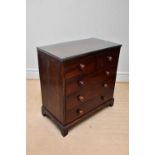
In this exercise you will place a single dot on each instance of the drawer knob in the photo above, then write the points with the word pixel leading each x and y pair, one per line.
pixel 81 83
pixel 110 58
pixel 79 111
pixel 107 73
pixel 81 98
pixel 82 67
pixel 105 85
pixel 102 97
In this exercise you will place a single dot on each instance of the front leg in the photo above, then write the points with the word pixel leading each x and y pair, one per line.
pixel 64 132
pixel 43 111
pixel 111 103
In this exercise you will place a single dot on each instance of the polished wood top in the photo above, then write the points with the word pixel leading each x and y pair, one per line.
pixel 74 48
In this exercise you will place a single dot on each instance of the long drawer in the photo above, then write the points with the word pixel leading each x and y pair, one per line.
pixel 83 82
pixel 83 109
pixel 102 91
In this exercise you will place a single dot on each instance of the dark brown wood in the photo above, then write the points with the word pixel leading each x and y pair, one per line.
pixel 77 84
pixel 46 112
pixel 79 66
pixel 100 76
pixel 72 49
pixel 89 93
pixel 52 85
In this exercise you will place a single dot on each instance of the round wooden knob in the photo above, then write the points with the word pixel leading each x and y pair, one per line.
pixel 102 97
pixel 110 58
pixel 108 73
pixel 82 67
pixel 81 98
pixel 81 83
pixel 79 111
pixel 105 85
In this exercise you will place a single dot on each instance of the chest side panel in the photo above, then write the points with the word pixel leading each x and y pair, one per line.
pixel 52 85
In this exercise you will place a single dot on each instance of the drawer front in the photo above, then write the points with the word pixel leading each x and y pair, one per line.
pixel 83 82
pixel 78 106
pixel 79 66
pixel 108 59
pixel 82 109
pixel 103 91
pixel 89 88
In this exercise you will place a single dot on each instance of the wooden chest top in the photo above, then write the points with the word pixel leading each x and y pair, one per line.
pixel 74 48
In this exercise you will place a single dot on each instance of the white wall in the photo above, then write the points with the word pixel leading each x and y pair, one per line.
pixel 53 21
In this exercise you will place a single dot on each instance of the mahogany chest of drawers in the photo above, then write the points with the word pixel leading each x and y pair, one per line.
pixel 77 79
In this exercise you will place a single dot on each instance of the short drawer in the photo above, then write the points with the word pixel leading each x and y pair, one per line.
pixel 79 66
pixel 108 59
